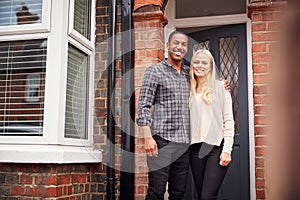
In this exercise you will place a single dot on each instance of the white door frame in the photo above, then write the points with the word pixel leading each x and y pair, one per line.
pixel 174 23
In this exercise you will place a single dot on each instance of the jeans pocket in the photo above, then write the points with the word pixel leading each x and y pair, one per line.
pixel 161 142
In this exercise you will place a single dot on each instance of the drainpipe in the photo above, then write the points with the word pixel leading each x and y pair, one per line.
pixel 128 103
pixel 110 171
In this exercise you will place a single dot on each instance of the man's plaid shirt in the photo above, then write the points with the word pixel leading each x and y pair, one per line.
pixel 168 91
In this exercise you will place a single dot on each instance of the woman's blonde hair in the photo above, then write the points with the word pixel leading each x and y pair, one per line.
pixel 211 79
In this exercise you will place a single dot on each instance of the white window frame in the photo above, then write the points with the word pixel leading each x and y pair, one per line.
pixel 52 147
pixel 91 57
pixel 44 26
pixel 29 86
pixel 75 34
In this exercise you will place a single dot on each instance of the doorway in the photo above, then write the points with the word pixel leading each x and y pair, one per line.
pixel 228 46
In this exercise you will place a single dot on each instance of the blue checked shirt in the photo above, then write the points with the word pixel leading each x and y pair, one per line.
pixel 168 92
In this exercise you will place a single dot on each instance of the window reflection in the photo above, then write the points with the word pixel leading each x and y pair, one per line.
pixel 16 12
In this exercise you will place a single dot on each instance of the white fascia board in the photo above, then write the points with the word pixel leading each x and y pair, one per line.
pixel 210 21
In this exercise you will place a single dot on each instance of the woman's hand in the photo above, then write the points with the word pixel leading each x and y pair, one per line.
pixel 225 159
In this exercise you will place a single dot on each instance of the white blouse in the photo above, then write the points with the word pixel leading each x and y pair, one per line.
pixel 211 123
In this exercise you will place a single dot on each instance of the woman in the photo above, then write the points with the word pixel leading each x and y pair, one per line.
pixel 212 126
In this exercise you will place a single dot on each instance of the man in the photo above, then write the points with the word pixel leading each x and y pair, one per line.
pixel 166 87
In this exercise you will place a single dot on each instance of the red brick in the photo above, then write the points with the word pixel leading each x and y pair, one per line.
pixel 41 191
pixel 140 190
pixel 261 57
pixel 153 54
pixel 260 79
pixel 142 178
pixel 259 47
pixel 261 130
pixel 260 109
pixel 26 179
pixel 256 17
pixel 59 191
pixel 259 162
pixel 79 178
pixel 46 180
pixel 155 44
pixel 63 179
pixel 261 99
pixel 139 197
pixel 142 169
pixel 259 26
pixel 18 190
pixel 260 183
pixel 266 16
pixel 260 194
pixel 260 151
pixel 260 68
pixel 263 36
pixel 261 120
pixel 261 141
pixel 260 89
pixel 259 172
pixel 70 190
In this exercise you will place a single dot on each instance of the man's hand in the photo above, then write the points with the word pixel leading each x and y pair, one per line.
pixel 150 144
pixel 226 85
pixel 151 147
pixel 225 159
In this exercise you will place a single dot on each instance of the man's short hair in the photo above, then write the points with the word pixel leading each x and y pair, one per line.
pixel 174 33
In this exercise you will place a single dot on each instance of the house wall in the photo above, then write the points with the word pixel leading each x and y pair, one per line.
pixel 80 181
pixel 265 17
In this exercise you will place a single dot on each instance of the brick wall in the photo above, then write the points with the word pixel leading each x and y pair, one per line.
pixel 265 16
pixel 50 181
pixel 149 49
pixel 73 181
pixel 101 77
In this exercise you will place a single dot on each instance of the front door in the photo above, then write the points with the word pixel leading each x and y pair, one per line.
pixel 228 46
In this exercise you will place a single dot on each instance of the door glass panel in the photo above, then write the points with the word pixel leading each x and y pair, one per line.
pixel 229 71
pixel 201 45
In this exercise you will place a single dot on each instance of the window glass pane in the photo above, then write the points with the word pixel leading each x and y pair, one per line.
pixel 82 17
pixel 77 91
pixel 18 12
pixel 22 69
pixel 196 8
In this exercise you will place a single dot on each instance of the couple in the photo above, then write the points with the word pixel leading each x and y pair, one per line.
pixel 191 124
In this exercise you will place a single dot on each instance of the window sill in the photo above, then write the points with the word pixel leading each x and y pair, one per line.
pixel 48 154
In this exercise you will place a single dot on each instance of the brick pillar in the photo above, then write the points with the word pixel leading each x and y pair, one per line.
pixel 149 21
pixel 265 17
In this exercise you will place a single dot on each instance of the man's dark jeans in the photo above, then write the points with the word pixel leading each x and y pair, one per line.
pixel 171 165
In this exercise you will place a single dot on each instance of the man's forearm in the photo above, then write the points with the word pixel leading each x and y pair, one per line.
pixel 146 131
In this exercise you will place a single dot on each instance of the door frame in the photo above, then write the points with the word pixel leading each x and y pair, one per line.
pixel 174 23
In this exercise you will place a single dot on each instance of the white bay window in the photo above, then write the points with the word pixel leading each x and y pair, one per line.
pixel 46 81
